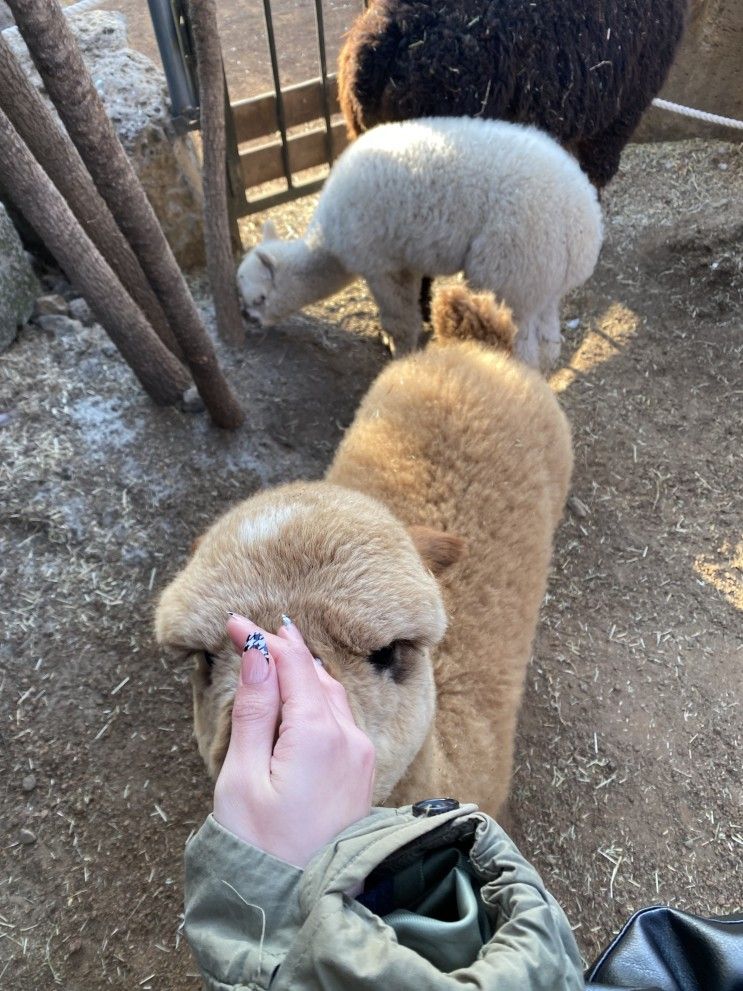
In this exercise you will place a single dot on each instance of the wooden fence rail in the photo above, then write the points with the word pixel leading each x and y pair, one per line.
pixel 303 104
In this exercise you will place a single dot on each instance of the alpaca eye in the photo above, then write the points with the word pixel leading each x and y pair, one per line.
pixel 259 300
pixel 385 657
pixel 204 667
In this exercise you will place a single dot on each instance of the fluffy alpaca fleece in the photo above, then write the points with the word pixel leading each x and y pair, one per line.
pixel 441 503
pixel 501 202
pixel 583 71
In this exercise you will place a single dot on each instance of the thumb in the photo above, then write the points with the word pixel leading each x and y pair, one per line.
pixel 256 710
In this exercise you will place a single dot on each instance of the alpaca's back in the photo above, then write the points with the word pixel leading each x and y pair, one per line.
pixel 581 70
pixel 467 440
pixel 417 196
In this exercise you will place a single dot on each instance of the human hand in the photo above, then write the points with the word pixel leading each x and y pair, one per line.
pixel 290 794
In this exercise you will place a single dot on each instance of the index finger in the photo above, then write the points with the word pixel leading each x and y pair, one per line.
pixel 299 685
pixel 240 628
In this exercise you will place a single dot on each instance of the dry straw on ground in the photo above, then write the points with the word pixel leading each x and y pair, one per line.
pixel 628 787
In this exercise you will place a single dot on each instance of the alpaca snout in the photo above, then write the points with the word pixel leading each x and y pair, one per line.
pixel 252 316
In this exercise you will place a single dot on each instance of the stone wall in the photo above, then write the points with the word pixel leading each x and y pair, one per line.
pixel 135 95
pixel 18 285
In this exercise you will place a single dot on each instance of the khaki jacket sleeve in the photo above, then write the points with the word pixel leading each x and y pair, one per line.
pixel 241 909
pixel 342 946
pixel 253 921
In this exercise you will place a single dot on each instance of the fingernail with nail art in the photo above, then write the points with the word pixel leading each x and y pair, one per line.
pixel 285 620
pixel 254 670
pixel 256 641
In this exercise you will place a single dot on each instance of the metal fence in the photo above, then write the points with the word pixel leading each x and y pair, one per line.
pixel 272 137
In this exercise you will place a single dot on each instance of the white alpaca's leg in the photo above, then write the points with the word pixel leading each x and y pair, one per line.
pixel 492 270
pixel 397 296
pixel 549 336
pixel 526 345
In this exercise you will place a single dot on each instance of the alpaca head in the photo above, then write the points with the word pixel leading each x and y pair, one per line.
pixel 359 586
pixel 264 280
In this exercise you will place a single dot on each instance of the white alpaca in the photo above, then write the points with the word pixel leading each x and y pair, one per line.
pixel 503 203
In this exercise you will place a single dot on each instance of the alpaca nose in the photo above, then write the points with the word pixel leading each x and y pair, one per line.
pixel 247 315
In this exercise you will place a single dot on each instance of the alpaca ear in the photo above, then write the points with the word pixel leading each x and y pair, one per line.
pixel 267 260
pixel 269 231
pixel 196 542
pixel 439 550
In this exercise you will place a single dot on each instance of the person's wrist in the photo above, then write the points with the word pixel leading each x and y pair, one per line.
pixel 289 851
pixel 287 855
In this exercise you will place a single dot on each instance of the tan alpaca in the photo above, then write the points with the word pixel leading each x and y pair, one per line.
pixel 440 505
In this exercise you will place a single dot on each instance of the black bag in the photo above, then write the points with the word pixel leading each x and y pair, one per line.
pixel 662 949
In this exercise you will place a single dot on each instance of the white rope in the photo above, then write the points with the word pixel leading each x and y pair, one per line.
pixel 676 108
pixel 81 5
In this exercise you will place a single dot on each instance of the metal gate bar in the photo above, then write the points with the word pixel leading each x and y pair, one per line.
pixel 176 52
pixel 324 76
pixel 280 119
pixel 259 117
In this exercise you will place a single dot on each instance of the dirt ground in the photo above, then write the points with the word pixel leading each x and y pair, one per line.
pixel 628 787
pixel 244 44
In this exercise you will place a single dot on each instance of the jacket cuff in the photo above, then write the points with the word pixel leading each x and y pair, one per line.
pixel 239 902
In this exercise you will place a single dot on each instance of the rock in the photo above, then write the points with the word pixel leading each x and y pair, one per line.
pixel 80 310
pixel 51 303
pixel 57 285
pixel 29 783
pixel 27 837
pixel 18 284
pixel 73 947
pixel 135 95
pixel 6 18
pixel 166 163
pixel 191 401
pixel 577 507
pixel 60 326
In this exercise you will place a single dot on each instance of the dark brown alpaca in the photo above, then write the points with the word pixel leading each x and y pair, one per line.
pixel 583 70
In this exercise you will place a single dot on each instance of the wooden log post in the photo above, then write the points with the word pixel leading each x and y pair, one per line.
pixel 219 258
pixel 54 151
pixel 44 207
pixel 57 57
